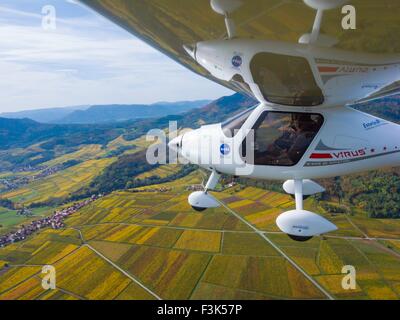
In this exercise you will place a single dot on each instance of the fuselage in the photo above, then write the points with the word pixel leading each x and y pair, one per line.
pixel 268 145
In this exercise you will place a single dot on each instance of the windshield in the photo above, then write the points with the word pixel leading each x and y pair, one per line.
pixel 231 126
pixel 282 138
pixel 286 80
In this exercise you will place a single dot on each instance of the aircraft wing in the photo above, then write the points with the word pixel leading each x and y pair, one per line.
pixel 167 25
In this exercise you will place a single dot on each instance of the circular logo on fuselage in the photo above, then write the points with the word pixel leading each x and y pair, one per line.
pixel 225 149
pixel 237 61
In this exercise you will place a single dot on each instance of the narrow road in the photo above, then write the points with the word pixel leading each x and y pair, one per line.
pixel 356 227
pixel 123 271
pixel 375 240
pixel 162 227
pixel 294 264
pixel 359 238
pixel 84 244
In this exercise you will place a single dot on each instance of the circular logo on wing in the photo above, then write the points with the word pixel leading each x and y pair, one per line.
pixel 237 61
pixel 225 149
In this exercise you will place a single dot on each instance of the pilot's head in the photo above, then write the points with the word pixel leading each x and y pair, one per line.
pixel 302 121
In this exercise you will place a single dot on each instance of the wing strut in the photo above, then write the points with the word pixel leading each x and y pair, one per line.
pixel 316 37
pixel 225 8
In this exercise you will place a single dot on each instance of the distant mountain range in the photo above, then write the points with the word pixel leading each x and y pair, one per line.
pixel 20 133
pixel 106 113
pixel 118 113
pixel 49 115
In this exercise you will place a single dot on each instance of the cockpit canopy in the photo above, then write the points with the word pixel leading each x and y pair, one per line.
pixel 281 138
pixel 276 138
pixel 285 80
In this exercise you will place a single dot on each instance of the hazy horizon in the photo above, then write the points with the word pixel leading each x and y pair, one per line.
pixel 86 106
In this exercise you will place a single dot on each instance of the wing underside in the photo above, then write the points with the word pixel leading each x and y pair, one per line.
pixel 168 25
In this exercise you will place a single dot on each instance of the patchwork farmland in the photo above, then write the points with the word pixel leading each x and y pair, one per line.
pixel 88 162
pixel 152 245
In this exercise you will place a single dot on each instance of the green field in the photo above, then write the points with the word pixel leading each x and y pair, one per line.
pixel 9 218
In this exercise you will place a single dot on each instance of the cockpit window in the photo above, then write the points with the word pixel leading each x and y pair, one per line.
pixel 231 126
pixel 282 138
pixel 286 80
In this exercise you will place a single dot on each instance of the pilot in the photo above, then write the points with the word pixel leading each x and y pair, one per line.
pixel 306 128
pixel 277 151
pixel 294 141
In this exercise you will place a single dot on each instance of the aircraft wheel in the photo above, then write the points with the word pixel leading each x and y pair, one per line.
pixel 199 209
pixel 304 196
pixel 299 238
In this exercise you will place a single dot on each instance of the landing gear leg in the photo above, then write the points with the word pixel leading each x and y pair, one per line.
pixel 202 200
pixel 212 181
pixel 299 198
pixel 298 193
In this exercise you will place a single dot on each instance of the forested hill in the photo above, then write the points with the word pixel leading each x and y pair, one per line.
pixel 119 174
pixel 20 133
pixel 214 112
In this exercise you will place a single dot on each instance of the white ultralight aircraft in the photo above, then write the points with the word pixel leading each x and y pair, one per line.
pixel 303 127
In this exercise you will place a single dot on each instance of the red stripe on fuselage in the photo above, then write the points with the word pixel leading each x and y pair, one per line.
pixel 321 156
pixel 328 69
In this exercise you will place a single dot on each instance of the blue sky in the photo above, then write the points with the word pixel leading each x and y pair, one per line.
pixel 85 60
